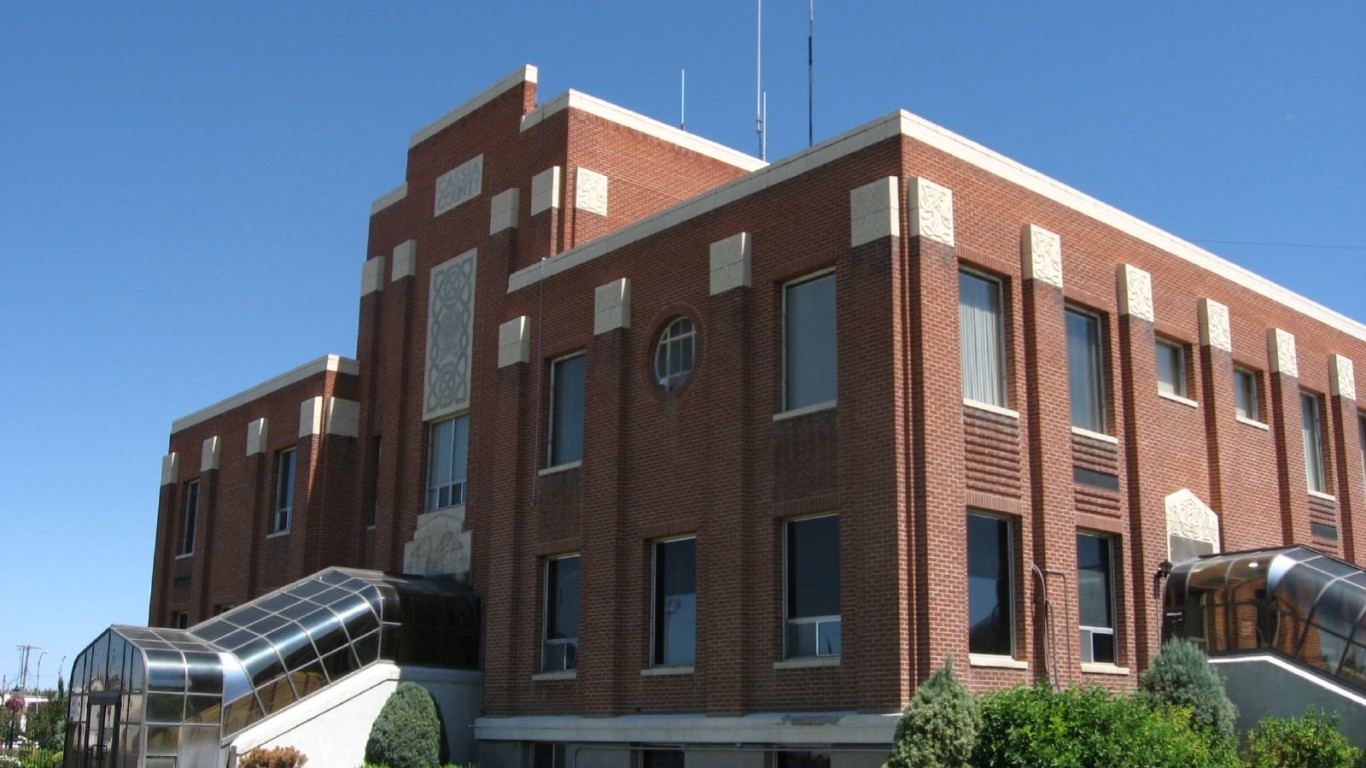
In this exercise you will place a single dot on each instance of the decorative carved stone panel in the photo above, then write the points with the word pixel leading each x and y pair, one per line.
pixel 1214 329
pixel 450 337
pixel 1135 292
pixel 1281 346
pixel 1189 520
pixel 590 192
pixel 1042 255
pixel 931 215
pixel 440 545
pixel 459 184
pixel 1343 377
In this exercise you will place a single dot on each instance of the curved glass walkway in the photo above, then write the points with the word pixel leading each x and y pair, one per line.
pixel 158 698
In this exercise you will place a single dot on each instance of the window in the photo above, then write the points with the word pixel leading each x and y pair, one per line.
pixel 801 759
pixel 1361 432
pixel 813 587
pixel 675 603
pixel 222 608
pixel 1313 442
pixel 674 354
pixel 560 652
pixel 180 619
pixel 566 410
pixel 189 518
pixel 284 492
pixel 548 756
pixel 447 456
pixel 661 758
pixel 1085 371
pixel 981 339
pixel 991 626
pixel 1245 394
pixel 809 364
pixel 1171 368
pixel 1096 585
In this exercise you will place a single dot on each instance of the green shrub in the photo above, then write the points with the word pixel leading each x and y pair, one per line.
pixel 1181 676
pixel 939 727
pixel 275 757
pixel 407 733
pixel 41 758
pixel 1312 741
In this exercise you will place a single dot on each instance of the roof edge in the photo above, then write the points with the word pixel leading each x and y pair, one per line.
pixel 334 363
pixel 527 73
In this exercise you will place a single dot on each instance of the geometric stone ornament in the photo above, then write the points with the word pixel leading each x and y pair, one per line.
pixel 311 417
pixel 405 260
pixel 1135 289
pixel 590 192
pixel 514 342
pixel 208 457
pixel 1281 348
pixel 503 210
pixel 874 212
pixel 612 306
pixel 372 276
pixel 257 436
pixel 1042 255
pixel 170 468
pixel 462 183
pixel 440 545
pixel 1342 377
pixel 1189 518
pixel 1214 330
pixel 731 263
pixel 545 190
pixel 931 214
pixel 450 337
pixel 343 418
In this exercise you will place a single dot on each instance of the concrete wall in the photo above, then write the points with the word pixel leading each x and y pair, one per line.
pixel 1265 686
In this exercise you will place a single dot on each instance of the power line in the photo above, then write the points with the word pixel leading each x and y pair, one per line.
pixel 1281 245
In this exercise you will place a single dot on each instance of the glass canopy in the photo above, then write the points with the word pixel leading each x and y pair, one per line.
pixel 1294 601
pixel 157 698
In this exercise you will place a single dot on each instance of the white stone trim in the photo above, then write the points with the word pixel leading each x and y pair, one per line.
pixel 666 671
pixel 931 214
pixel 795 728
pixel 992 661
pixel 571 674
pixel 335 363
pixel 1101 436
pixel 565 467
pixel 808 662
pixel 1135 292
pixel 1186 401
pixel 1254 423
pixel 590 191
pixel 459 185
pixel 372 276
pixel 1103 669
pixel 1310 677
pixel 1041 252
pixel 503 210
pixel 1214 327
pixel 343 417
pixel 1189 517
pixel 612 306
pixel 874 212
pixel 1321 495
pixel 545 190
pixel 828 405
pixel 1343 379
pixel 524 74
pixel 311 417
pixel 624 117
pixel 258 436
pixel 170 468
pixel 405 260
pixel 514 342
pixel 732 263
pixel 1280 346
pixel 389 198
pixel 209 454
pixel 988 407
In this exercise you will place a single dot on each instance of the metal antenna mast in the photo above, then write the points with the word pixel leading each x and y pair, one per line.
pixel 760 98
pixel 683 99
pixel 810 71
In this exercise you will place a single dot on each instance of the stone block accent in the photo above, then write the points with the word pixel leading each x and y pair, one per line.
pixel 612 306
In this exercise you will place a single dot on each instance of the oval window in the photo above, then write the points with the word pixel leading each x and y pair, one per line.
pixel 674 353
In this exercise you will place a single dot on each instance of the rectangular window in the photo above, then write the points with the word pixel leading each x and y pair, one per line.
pixel 222 608
pixel 1361 432
pixel 1096 585
pixel 560 651
pixel 284 492
pixel 1171 368
pixel 548 756
pixel 1245 394
pixel 566 410
pixel 447 456
pixel 1085 371
pixel 661 758
pixel 189 518
pixel 1313 442
pixel 809 359
pixel 675 603
pixel 991 625
pixel 801 759
pixel 812 587
pixel 981 339
pixel 180 619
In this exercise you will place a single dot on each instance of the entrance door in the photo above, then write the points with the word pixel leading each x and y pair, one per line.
pixel 102 732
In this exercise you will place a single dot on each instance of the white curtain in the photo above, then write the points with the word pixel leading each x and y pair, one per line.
pixel 980 339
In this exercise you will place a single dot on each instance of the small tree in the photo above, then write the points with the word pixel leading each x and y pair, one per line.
pixel 939 727
pixel 1181 676
pixel 407 733
pixel 1312 741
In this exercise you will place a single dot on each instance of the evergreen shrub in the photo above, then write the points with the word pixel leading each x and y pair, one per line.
pixel 1181 676
pixel 407 732
pixel 939 727
pixel 1312 741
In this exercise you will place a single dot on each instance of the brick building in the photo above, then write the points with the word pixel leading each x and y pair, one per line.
pixel 682 418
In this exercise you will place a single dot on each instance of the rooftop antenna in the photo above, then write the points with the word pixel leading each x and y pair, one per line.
pixel 760 98
pixel 810 71
pixel 682 99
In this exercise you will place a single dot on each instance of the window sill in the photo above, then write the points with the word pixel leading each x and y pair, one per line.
pixel 1253 423
pixel 277 534
pixel 565 467
pixel 666 671
pixel 1324 496
pixel 828 405
pixel 570 674
pixel 184 556
pixel 1104 438
pixel 995 662
pixel 1103 669
pixel 811 662
pixel 988 407
pixel 1186 401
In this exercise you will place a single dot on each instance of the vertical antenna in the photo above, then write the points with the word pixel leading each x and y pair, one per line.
pixel 759 80
pixel 763 135
pixel 810 70
pixel 683 99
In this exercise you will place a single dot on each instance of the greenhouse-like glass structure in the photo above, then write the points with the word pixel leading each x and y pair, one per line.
pixel 1293 601
pixel 160 698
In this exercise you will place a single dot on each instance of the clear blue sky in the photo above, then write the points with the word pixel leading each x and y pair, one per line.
pixel 185 187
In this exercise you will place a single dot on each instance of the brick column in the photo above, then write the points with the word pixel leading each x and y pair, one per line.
pixel 205 524
pixel 164 547
pixel 394 404
pixel 1288 427
pixel 1345 422
pixel 260 471
pixel 1218 399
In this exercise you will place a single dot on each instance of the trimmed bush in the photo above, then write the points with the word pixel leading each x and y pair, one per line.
pixel 1181 676
pixel 1312 741
pixel 275 757
pixel 407 733
pixel 939 727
